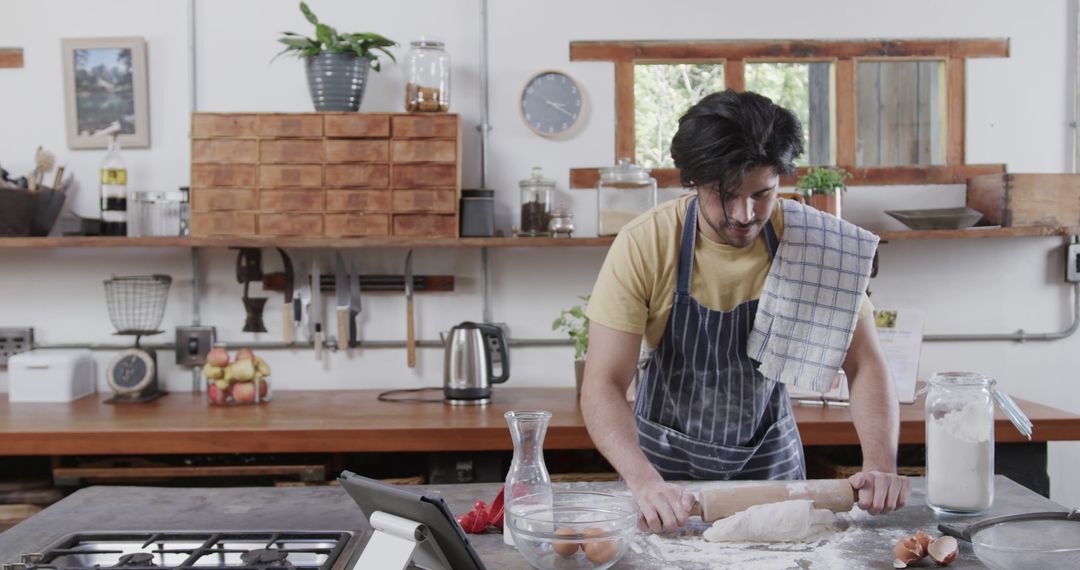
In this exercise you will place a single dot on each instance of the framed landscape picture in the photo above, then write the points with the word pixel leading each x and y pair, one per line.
pixel 105 83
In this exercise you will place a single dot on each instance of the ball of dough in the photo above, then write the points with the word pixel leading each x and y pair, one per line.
pixel 565 549
pixel 600 551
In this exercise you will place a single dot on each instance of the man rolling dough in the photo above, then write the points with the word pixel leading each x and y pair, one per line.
pixel 736 294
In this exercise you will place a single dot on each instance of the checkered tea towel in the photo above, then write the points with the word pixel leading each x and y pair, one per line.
pixel 807 312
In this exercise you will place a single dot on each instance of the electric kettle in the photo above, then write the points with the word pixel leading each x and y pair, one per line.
pixel 471 348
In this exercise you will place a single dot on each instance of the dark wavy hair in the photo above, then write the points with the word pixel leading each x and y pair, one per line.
pixel 729 133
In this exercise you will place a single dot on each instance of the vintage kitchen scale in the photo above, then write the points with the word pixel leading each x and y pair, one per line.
pixel 136 306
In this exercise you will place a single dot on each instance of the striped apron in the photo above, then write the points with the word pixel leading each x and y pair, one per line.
pixel 703 410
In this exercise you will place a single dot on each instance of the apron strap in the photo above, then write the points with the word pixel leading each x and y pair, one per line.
pixel 686 248
pixel 770 237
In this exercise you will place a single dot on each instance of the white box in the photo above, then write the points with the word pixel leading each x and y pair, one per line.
pixel 51 376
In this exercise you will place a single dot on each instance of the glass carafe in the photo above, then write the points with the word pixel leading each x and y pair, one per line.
pixel 959 442
pixel 528 485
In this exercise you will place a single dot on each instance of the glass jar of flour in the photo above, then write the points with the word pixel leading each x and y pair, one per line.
pixel 960 442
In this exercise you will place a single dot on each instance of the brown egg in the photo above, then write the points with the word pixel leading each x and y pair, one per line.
pixel 943 550
pixel 601 551
pixel 907 552
pixel 565 549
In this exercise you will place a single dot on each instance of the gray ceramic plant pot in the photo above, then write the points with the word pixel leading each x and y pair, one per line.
pixel 337 80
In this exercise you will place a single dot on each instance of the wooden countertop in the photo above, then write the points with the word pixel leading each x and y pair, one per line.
pixel 355 421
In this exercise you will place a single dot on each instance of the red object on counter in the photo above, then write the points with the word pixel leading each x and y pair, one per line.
pixel 482 516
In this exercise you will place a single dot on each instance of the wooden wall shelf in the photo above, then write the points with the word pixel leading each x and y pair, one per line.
pixel 342 243
pixel 451 243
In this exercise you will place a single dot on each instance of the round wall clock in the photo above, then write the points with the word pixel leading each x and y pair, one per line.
pixel 552 104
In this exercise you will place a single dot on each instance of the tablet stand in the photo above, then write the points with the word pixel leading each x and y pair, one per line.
pixel 400 543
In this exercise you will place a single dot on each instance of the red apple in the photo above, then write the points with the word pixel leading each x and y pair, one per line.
pixel 218 357
pixel 216 395
pixel 245 354
pixel 243 392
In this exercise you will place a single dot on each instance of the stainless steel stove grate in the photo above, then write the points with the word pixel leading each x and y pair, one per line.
pixel 240 550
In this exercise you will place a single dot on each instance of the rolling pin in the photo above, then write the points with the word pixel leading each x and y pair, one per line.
pixel 833 494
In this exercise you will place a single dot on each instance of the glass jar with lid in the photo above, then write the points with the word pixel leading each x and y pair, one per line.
pixel 625 191
pixel 562 222
pixel 536 195
pixel 427 77
pixel 960 442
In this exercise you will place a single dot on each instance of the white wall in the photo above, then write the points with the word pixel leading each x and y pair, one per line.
pixel 1018 113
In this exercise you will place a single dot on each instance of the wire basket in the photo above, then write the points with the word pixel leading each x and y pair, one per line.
pixel 137 303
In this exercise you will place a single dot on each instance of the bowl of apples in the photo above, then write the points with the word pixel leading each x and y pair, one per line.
pixel 241 381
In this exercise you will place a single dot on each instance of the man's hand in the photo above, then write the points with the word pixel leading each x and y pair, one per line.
pixel 880 492
pixel 664 506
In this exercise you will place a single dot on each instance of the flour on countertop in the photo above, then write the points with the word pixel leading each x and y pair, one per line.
pixel 687 550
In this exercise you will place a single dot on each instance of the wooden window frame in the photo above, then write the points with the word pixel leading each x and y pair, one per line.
pixel 11 57
pixel 844 54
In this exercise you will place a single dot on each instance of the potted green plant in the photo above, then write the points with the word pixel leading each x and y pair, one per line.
pixel 575 323
pixel 822 187
pixel 336 63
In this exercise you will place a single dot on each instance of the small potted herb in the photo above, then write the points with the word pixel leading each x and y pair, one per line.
pixel 575 323
pixel 336 63
pixel 822 188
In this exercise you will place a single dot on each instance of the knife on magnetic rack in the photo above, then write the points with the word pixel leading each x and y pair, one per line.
pixel 410 333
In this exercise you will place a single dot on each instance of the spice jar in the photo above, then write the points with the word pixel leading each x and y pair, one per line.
pixel 959 442
pixel 536 192
pixel 427 77
pixel 562 222
pixel 624 192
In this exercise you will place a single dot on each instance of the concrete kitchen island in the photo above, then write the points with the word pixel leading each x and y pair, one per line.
pixel 866 542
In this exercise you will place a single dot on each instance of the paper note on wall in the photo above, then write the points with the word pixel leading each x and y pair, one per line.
pixel 900 332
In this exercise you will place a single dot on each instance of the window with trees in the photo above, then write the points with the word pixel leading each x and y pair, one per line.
pixel 889 111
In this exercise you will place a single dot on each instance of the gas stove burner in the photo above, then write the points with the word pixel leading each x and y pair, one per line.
pixel 195 550
pixel 265 557
pixel 136 559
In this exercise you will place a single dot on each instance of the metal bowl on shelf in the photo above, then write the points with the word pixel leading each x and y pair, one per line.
pixel 937 218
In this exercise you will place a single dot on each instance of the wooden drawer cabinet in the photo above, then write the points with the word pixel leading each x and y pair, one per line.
pixel 306 175
pixel 290 224
pixel 424 126
pixel 216 199
pixel 325 174
pixel 425 225
pixel 223 224
pixel 357 225
pixel 215 125
pixel 208 175
pixel 425 200
pixel 413 175
pixel 285 151
pixel 289 125
pixel 363 175
pixel 357 200
pixel 307 200
pixel 354 150
pixel 238 151
pixel 357 125
pixel 423 151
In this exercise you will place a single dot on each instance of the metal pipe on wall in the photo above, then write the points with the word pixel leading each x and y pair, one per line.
pixel 484 128
pixel 1019 336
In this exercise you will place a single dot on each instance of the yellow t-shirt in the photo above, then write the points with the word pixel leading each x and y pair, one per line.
pixel 636 285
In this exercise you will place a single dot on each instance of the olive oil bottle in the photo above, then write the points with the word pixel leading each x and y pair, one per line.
pixel 113 190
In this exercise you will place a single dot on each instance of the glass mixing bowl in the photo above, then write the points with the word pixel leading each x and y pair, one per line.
pixel 581 530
